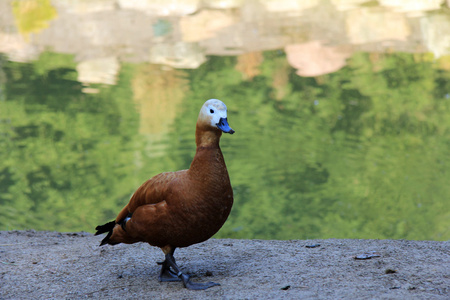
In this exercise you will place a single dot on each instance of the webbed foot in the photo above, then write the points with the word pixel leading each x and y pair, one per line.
pixel 196 285
pixel 167 274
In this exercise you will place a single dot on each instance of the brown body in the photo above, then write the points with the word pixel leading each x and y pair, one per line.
pixel 178 209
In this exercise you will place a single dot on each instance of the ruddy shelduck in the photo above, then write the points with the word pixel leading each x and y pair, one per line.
pixel 178 209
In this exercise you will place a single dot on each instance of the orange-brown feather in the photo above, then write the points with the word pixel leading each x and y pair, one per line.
pixel 178 209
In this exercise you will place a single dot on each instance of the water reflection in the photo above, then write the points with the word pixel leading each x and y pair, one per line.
pixel 342 126
pixel 318 36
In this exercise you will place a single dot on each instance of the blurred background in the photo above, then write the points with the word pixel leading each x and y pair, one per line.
pixel 341 110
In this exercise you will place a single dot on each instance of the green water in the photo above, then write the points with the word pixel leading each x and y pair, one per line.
pixel 362 152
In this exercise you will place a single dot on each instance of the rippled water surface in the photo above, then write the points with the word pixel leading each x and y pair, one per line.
pixel 341 111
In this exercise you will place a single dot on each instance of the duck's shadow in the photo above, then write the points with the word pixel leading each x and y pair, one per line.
pixel 204 262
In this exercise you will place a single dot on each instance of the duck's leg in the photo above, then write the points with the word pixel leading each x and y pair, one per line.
pixel 170 263
pixel 166 274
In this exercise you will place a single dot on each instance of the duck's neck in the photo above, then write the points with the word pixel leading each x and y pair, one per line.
pixel 207 138
pixel 208 155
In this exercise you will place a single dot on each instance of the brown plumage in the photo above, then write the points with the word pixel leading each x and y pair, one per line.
pixel 178 209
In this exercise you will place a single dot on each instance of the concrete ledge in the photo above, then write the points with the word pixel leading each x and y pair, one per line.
pixel 44 265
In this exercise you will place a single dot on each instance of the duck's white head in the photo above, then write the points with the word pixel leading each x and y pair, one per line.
pixel 214 113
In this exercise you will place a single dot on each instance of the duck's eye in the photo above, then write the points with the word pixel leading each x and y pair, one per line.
pixel 211 111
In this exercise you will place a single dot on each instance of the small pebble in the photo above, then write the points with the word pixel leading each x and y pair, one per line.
pixel 368 255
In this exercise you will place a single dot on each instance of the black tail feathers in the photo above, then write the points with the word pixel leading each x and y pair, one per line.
pixel 108 227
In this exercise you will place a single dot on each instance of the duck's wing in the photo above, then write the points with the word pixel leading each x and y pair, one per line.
pixel 153 191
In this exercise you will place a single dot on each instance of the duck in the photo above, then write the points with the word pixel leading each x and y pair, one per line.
pixel 177 209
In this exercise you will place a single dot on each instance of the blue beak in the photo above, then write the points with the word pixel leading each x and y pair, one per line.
pixel 223 125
